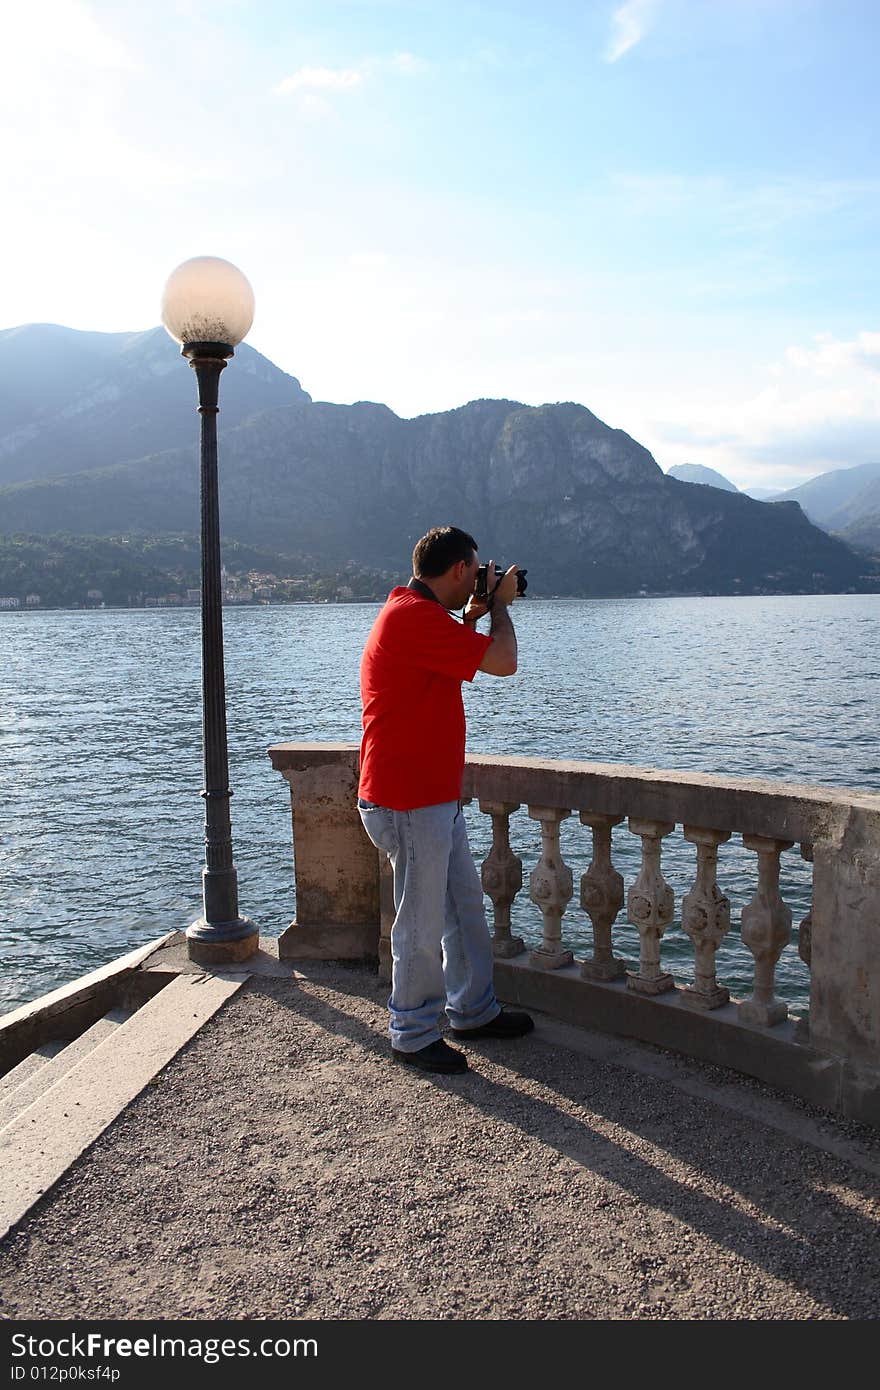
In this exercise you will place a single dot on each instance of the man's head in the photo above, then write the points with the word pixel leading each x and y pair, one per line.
pixel 446 560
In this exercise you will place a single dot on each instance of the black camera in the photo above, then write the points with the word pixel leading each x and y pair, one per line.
pixel 481 586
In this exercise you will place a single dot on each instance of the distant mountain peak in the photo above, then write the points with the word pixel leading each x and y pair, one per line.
pixel 697 473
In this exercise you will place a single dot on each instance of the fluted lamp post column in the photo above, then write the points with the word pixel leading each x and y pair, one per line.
pixel 208 307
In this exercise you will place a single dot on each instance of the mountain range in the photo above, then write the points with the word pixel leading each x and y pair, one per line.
pixel 98 436
pixel 844 501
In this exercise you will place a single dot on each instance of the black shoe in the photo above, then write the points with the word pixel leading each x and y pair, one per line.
pixel 437 1057
pixel 510 1023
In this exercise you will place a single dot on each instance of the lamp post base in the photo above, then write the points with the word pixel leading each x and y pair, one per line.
pixel 222 943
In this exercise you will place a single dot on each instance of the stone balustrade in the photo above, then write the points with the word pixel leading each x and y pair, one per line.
pixel 832 1057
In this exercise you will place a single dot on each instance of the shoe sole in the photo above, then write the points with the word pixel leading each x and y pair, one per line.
pixel 438 1069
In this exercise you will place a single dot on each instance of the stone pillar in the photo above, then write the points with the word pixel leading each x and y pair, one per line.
pixel 550 887
pixel 337 871
pixel 502 876
pixel 845 947
pixel 705 917
pixel 766 929
pixel 602 899
pixel 650 905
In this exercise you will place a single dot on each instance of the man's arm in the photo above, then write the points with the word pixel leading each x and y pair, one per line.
pixel 500 658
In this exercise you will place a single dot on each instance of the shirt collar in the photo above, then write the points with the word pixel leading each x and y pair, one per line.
pixel 422 589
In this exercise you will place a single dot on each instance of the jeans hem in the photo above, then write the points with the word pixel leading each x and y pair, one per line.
pixel 458 1020
pixel 419 1045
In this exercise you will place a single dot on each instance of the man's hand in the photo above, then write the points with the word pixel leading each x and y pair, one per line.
pixel 477 608
pixel 500 591
pixel 506 591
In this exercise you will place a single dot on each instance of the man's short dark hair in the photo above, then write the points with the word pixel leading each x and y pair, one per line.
pixel 440 549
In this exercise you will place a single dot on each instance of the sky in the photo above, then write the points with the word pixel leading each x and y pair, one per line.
pixel 666 210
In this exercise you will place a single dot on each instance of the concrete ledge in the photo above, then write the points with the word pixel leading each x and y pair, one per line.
pixel 33 1086
pixel 174 959
pixel 39 1144
pixel 28 1067
pixel 301 757
pixel 329 941
pixel 66 1012
pixel 772 1055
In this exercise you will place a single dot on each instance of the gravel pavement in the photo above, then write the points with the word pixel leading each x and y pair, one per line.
pixel 281 1167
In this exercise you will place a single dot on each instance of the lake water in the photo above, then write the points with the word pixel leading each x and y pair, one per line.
pixel 100 766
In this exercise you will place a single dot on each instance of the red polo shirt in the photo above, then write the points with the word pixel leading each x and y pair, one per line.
pixel 416 657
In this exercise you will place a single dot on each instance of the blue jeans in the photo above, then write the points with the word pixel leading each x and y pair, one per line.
pixel 441 949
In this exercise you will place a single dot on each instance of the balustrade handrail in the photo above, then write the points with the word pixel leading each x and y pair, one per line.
pixel 751 806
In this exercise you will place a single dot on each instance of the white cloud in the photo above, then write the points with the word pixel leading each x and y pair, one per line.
pixel 313 81
pixel 369 260
pixel 69 91
pixel 831 356
pixel 320 80
pixel 56 43
pixel 68 26
pixel 629 24
pixel 408 63
pixel 818 409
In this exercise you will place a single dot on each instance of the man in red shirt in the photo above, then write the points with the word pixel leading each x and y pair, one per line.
pixel 409 796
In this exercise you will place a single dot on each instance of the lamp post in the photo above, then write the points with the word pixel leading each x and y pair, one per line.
pixel 208 307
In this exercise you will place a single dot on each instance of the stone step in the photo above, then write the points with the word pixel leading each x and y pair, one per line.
pixel 27 1068
pixel 39 1144
pixel 65 1058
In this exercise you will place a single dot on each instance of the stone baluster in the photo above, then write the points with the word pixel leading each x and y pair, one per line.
pixel 766 928
pixel 502 876
pixel 650 905
pixel 805 930
pixel 705 917
pixel 601 899
pixel 550 887
pixel 805 946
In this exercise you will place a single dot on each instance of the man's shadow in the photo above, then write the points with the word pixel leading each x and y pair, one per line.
pixel 802 1233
